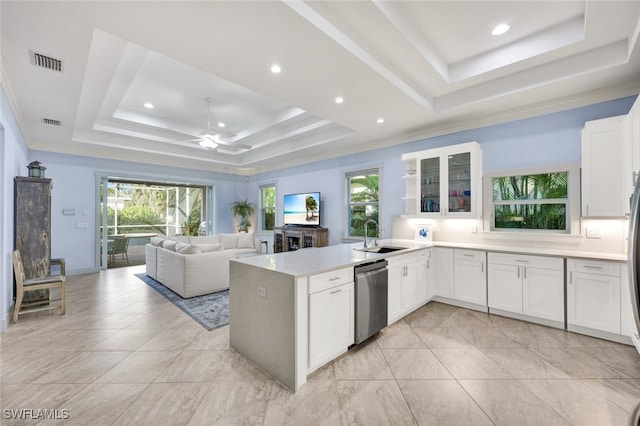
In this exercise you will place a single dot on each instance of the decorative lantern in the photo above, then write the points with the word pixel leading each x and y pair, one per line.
pixel 36 169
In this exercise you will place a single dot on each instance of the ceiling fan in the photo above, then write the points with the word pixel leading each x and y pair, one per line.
pixel 210 138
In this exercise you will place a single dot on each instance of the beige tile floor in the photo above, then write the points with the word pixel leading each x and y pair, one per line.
pixel 124 355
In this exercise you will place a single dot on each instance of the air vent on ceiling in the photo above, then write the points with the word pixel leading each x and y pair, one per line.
pixel 51 122
pixel 45 61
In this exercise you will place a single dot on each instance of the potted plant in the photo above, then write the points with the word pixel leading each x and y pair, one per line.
pixel 243 210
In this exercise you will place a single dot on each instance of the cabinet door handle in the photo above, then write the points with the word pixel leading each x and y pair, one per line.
pixel 468 255
pixel 593 267
pixel 522 261
pixel 525 272
pixel 519 271
pixel 571 277
pixel 634 177
pixel 482 267
pixel 336 291
pixel 334 279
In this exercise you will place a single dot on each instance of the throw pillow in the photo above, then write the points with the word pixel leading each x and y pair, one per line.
pixel 245 241
pixel 187 248
pixel 169 244
pixel 157 241
pixel 229 241
pixel 206 248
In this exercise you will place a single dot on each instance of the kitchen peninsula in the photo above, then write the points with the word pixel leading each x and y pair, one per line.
pixel 293 312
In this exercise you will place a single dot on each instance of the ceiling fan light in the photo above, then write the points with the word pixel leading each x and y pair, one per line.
pixel 208 143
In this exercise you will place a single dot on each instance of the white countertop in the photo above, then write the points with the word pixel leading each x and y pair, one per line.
pixel 546 251
pixel 315 260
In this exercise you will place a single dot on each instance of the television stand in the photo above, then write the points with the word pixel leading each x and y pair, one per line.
pixel 291 238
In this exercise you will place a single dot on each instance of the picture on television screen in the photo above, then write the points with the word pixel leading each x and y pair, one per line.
pixel 302 209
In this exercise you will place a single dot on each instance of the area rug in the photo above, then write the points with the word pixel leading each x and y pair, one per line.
pixel 210 311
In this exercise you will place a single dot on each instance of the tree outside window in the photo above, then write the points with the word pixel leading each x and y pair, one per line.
pixel 267 207
pixel 363 200
pixel 532 201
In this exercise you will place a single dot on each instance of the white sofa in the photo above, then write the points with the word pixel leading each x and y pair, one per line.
pixel 193 266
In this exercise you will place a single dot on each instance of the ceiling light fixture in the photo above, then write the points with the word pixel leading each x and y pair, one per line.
pixel 380 120
pixel 500 29
pixel 221 124
pixel 275 68
pixel 208 143
pixel 339 100
pixel 148 105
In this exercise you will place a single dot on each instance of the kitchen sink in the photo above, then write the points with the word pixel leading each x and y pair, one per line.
pixel 380 249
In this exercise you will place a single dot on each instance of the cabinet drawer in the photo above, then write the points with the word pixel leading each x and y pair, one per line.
pixel 470 254
pixel 594 267
pixel 402 259
pixel 542 262
pixel 330 279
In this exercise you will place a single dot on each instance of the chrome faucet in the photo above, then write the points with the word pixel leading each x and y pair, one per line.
pixel 366 245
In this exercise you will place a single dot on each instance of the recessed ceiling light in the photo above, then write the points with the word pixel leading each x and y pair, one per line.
pixel 500 29
pixel 339 100
pixel 221 124
pixel 275 68
pixel 148 105
pixel 380 120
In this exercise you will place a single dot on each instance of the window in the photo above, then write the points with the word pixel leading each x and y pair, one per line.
pixel 363 200
pixel 267 207
pixel 534 200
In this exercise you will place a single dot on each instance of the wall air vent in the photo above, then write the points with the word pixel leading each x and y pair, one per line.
pixel 51 122
pixel 45 61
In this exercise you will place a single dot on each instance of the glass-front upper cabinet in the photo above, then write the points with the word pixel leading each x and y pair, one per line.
pixel 430 185
pixel 444 181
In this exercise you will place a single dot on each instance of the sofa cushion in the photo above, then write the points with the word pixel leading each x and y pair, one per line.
pixel 205 239
pixel 183 248
pixel 157 241
pixel 245 240
pixel 206 248
pixel 169 244
pixel 229 241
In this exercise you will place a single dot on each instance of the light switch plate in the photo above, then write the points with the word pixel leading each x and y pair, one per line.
pixel 593 233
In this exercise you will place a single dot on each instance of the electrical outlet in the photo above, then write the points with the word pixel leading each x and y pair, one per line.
pixel 593 233
pixel 262 292
pixel 82 225
pixel 474 229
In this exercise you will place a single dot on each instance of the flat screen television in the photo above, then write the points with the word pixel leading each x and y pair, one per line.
pixel 302 209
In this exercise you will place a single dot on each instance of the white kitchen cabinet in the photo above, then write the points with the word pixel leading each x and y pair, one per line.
pixel 604 193
pixel 593 295
pixel 627 321
pixel 403 294
pixel 631 146
pixel 424 263
pixel 442 272
pixel 470 276
pixel 331 323
pixel 527 285
pixel 444 181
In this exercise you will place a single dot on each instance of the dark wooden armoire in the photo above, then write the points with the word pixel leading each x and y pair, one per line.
pixel 32 233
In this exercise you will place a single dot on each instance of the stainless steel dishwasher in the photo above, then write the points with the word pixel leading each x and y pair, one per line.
pixel 371 299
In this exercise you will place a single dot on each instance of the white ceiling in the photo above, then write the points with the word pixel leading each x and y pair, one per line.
pixel 426 67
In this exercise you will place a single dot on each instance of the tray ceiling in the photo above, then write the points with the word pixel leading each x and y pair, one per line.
pixel 78 74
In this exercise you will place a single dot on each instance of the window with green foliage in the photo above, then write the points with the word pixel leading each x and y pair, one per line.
pixel 363 200
pixel 531 201
pixel 267 207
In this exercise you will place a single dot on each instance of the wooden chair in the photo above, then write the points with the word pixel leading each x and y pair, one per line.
pixel 23 285
pixel 120 246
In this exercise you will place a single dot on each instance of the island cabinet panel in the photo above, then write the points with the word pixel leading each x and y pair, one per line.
pixel 527 286
pixel 331 323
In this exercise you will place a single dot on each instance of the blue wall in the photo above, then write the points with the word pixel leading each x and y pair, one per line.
pixel 542 140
